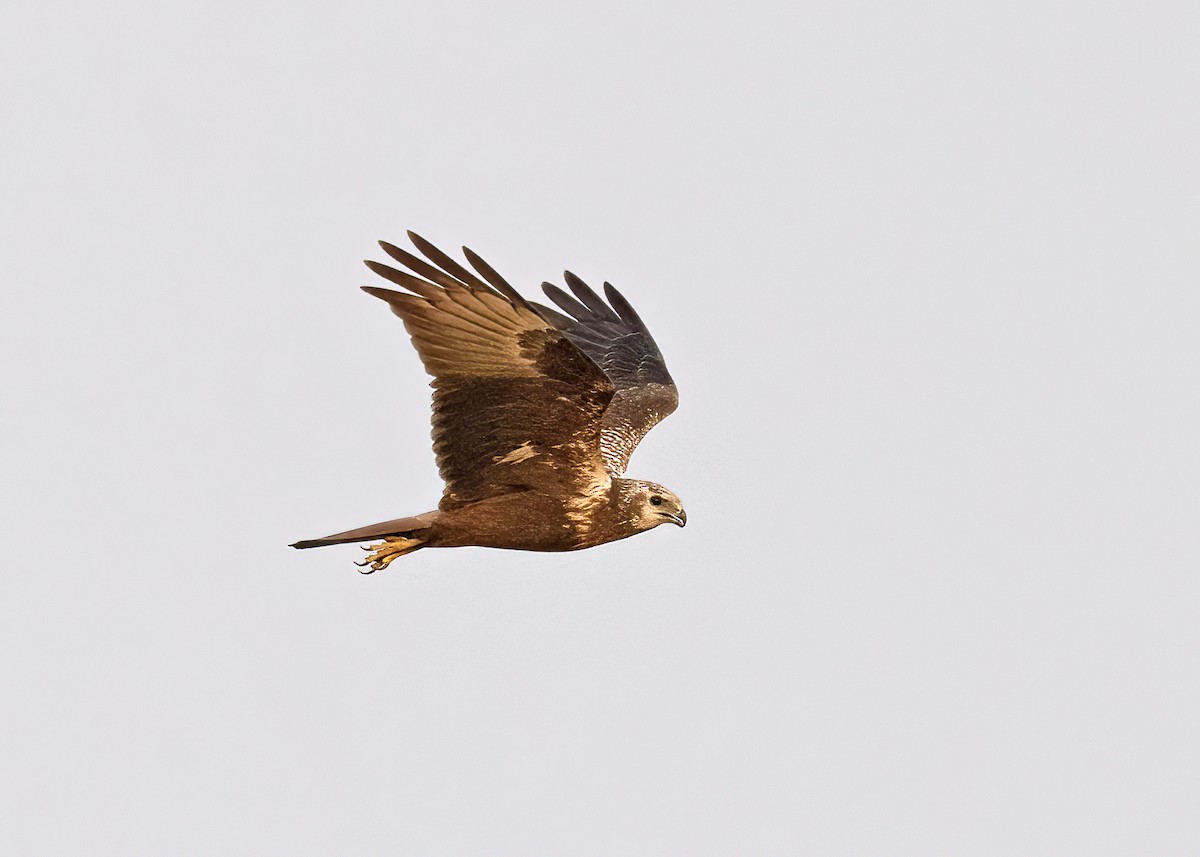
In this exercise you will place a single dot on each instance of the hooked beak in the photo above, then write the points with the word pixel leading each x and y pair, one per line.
pixel 680 519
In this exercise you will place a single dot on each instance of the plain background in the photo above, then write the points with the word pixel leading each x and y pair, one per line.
pixel 925 273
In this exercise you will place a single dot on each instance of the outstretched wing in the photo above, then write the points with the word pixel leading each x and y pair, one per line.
pixel 615 337
pixel 516 405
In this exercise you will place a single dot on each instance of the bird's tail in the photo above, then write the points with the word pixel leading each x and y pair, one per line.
pixel 416 529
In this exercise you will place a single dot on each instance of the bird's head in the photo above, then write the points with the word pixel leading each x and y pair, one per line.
pixel 654 505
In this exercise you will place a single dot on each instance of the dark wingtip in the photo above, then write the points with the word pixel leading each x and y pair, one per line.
pixel 493 279
pixel 385 271
pixel 588 296
pixel 624 309
pixel 447 264
pixel 566 303
pixel 426 248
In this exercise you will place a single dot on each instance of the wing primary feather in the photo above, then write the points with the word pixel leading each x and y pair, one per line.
pixel 402 304
pixel 433 254
pixel 390 295
pixel 402 278
pixel 566 302
pixel 467 325
pixel 623 307
pixel 553 316
pixel 494 279
pixel 488 304
pixel 455 316
pixel 468 306
pixel 419 265
pixel 590 299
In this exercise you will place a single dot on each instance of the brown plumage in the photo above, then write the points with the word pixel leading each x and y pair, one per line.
pixel 535 412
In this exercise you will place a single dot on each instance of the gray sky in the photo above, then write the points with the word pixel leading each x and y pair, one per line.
pixel 925 273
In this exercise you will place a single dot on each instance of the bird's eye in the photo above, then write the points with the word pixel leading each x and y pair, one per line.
pixel 656 501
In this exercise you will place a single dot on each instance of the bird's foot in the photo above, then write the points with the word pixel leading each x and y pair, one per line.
pixel 380 555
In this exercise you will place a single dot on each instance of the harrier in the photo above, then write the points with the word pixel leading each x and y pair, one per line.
pixel 536 412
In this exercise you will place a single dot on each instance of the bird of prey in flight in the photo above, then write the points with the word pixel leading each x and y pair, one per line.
pixel 536 412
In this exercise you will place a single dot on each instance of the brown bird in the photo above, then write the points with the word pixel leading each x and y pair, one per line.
pixel 535 412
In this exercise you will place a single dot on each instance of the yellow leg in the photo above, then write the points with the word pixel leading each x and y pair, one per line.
pixel 389 549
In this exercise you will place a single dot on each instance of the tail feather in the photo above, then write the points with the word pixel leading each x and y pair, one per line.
pixel 411 528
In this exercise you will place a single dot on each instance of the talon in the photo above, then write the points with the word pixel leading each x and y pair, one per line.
pixel 380 555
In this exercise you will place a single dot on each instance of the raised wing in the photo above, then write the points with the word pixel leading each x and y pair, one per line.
pixel 615 337
pixel 516 405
